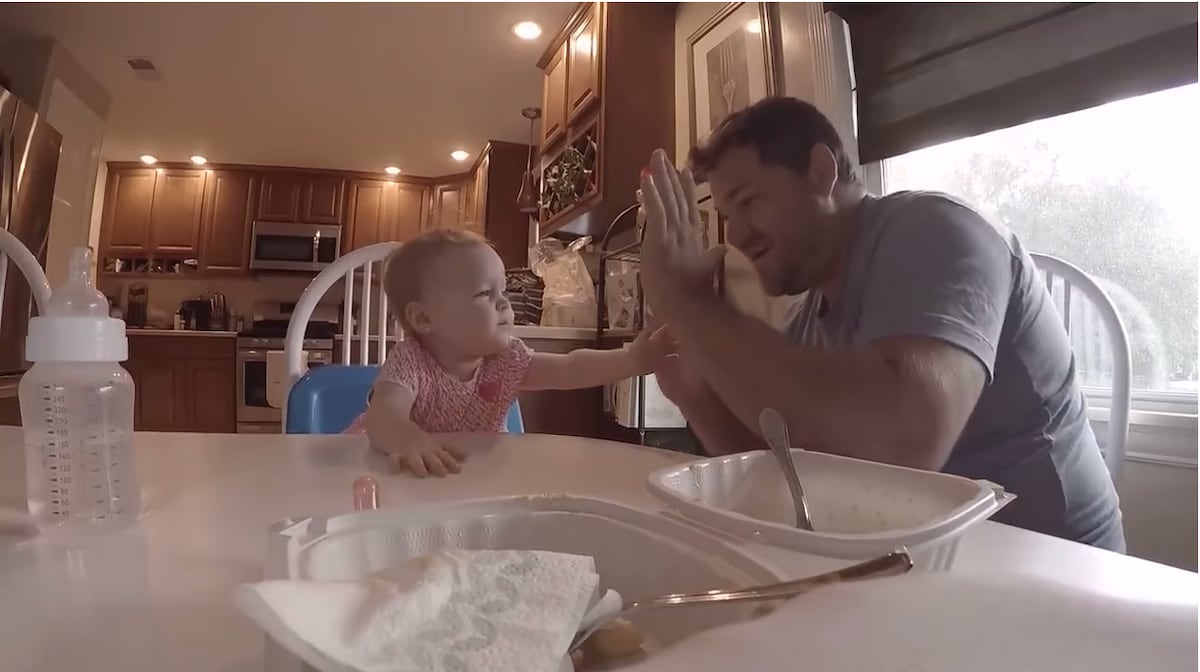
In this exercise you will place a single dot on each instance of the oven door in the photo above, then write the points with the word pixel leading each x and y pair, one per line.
pixel 257 398
pixel 293 247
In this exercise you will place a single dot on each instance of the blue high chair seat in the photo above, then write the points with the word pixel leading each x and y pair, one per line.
pixel 328 398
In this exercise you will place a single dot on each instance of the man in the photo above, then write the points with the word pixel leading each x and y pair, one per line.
pixel 924 338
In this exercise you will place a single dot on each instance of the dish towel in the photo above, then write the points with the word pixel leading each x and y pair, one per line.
pixel 453 611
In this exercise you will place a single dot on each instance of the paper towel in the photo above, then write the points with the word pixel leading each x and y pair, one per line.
pixel 454 611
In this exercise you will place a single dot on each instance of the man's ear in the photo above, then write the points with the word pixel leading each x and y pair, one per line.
pixel 822 169
pixel 417 317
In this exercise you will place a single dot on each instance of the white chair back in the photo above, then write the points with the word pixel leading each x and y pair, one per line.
pixel 376 327
pixel 1089 324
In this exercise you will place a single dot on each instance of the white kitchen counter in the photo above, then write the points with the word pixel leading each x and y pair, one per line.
pixel 157 595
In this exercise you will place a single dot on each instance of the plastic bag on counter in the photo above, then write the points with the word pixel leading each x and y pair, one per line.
pixel 569 298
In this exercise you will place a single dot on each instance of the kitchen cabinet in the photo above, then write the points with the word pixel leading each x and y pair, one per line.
pixel 321 200
pixel 175 213
pixel 485 201
pixel 279 197
pixel 595 140
pixel 554 97
pixel 226 223
pixel 128 200
pixel 583 66
pixel 381 211
pixel 151 213
pixel 299 197
pixel 448 200
pixel 184 383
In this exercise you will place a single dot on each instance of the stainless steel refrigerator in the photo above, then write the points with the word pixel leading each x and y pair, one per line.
pixel 29 149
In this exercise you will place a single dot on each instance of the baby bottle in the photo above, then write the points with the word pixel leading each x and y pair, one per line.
pixel 77 413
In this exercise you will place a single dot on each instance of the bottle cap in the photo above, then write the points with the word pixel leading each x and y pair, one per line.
pixel 77 326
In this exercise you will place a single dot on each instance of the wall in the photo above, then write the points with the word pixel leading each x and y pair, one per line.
pixel 1159 486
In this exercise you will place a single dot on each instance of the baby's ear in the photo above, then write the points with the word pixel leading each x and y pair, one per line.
pixel 417 317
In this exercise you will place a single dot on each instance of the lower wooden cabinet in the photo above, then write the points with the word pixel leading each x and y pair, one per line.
pixel 184 383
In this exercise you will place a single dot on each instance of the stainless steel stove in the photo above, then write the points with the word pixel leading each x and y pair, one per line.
pixel 256 414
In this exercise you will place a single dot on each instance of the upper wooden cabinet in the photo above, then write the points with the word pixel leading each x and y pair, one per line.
pixel 383 211
pixel 151 213
pixel 485 201
pixel 614 53
pixel 297 197
pixel 554 98
pixel 175 215
pixel 279 197
pixel 321 200
pixel 448 205
pixel 128 201
pixel 226 223
pixel 583 66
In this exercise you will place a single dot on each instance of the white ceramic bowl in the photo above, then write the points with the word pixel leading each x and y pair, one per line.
pixel 639 554
pixel 859 509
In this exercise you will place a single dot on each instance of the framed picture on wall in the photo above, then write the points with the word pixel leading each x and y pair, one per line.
pixel 712 232
pixel 732 63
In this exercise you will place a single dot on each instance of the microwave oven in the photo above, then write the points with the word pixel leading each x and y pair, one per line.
pixel 283 246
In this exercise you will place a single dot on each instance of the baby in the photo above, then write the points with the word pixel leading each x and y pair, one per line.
pixel 459 367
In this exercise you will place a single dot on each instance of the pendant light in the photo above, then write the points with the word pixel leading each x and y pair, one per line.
pixel 527 198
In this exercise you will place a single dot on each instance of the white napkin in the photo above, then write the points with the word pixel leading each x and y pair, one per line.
pixel 935 622
pixel 454 611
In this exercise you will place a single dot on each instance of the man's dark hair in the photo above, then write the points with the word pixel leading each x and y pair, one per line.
pixel 781 130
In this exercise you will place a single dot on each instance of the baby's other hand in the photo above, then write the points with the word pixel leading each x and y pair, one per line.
pixel 651 348
pixel 425 454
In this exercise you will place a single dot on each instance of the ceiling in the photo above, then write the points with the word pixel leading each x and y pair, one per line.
pixel 342 86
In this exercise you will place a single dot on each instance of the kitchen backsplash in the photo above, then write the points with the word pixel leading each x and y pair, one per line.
pixel 242 295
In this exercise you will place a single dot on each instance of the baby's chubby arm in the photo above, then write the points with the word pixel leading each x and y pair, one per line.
pixel 581 369
pixel 393 433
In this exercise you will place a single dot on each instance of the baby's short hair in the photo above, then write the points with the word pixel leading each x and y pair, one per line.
pixel 405 267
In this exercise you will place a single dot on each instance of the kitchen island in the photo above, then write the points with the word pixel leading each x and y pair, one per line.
pixel 160 591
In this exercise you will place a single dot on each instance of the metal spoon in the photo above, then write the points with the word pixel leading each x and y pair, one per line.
pixel 775 432
pixel 892 564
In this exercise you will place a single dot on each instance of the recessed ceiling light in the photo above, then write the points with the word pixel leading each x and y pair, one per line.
pixel 459 155
pixel 149 160
pixel 392 170
pixel 754 26
pixel 199 160
pixel 527 30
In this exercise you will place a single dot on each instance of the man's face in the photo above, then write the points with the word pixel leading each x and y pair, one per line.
pixel 778 218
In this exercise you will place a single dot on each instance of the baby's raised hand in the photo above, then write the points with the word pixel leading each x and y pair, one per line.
pixel 651 348
pixel 424 454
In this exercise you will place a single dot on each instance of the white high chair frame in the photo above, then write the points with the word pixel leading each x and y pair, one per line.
pixel 1072 277
pixel 360 265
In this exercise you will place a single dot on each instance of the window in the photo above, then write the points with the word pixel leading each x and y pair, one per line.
pixel 1111 189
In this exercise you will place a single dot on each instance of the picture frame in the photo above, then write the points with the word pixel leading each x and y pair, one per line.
pixel 732 62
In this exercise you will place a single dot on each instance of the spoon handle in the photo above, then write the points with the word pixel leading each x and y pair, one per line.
pixel 774 429
pixel 892 564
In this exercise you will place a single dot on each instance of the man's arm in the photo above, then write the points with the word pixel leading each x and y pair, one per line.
pixel 719 430
pixel 931 317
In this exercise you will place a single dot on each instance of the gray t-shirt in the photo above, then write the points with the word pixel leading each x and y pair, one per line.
pixel 924 264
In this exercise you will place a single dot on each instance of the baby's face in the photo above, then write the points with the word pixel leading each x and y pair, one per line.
pixel 464 299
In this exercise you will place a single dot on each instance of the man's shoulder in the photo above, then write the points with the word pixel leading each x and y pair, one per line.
pixel 919 218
